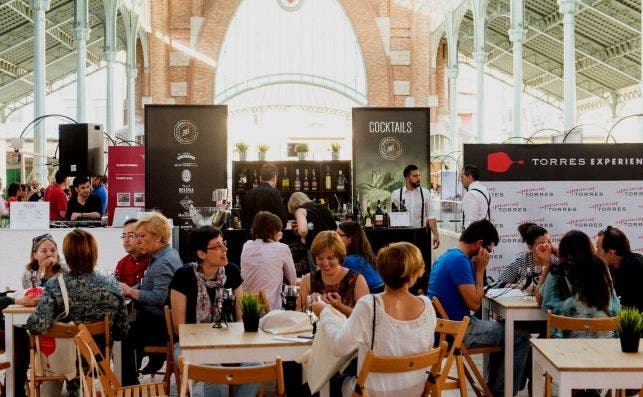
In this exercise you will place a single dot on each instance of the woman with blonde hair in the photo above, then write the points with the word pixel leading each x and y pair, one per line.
pixel 153 238
pixel 312 218
pixel 393 323
pixel 337 285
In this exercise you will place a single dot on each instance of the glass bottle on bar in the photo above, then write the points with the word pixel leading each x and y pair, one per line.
pixel 306 180
pixel 285 181
pixel 255 179
pixel 328 179
pixel 403 206
pixel 313 182
pixel 341 182
pixel 357 211
pixel 379 215
pixel 297 180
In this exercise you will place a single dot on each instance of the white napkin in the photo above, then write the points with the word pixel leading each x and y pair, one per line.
pixel 285 322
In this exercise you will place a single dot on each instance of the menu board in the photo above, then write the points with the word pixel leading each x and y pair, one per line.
pixel 29 215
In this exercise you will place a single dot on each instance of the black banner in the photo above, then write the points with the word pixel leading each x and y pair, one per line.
pixel 385 140
pixel 556 162
pixel 186 158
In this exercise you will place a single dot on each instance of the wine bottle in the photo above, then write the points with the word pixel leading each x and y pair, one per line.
pixel 403 206
pixel 379 215
pixel 313 182
pixel 328 180
pixel 285 181
pixel 357 211
pixel 297 180
pixel 255 179
pixel 306 180
pixel 341 182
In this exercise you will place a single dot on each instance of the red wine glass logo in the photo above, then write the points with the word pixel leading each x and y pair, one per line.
pixel 500 162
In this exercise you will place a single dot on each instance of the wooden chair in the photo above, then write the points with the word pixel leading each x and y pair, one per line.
pixel 264 301
pixel 452 333
pixel 599 324
pixel 395 364
pixel 100 328
pixel 231 375
pixel 472 373
pixel 168 350
pixel 3 365
pixel 108 380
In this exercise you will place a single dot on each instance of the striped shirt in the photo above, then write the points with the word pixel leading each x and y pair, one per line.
pixel 520 269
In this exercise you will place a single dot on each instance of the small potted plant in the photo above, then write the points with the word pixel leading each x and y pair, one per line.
pixel 262 149
pixel 242 148
pixel 251 307
pixel 334 150
pixel 629 329
pixel 302 150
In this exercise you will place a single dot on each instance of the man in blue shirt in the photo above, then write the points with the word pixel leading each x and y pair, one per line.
pixel 457 280
pixel 98 188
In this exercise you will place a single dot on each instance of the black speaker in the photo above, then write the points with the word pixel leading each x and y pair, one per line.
pixel 81 148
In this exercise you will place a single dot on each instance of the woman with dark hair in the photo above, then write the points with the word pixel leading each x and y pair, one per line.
pixel 359 254
pixel 580 285
pixel 338 286
pixel 13 193
pixel 196 288
pixel 525 271
pixel 393 323
pixel 91 295
pixel 265 262
pixel 44 262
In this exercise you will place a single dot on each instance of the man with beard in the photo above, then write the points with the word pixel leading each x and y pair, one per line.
pixel 83 205
pixel 476 202
pixel 417 201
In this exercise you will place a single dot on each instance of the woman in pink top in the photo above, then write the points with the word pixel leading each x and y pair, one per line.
pixel 265 262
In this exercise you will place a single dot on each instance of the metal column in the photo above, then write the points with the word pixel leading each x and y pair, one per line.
pixel 569 8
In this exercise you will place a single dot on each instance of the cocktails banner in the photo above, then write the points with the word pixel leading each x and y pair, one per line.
pixel 186 158
pixel 126 180
pixel 385 140
pixel 560 187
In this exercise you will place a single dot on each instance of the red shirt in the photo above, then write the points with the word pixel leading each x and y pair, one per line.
pixel 57 201
pixel 130 271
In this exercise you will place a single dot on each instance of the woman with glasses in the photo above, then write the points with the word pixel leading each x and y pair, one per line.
pixel 580 285
pixel 359 254
pixel 153 238
pixel 265 262
pixel 526 270
pixel 44 262
pixel 196 290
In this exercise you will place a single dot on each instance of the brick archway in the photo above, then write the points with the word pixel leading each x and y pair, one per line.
pixel 201 76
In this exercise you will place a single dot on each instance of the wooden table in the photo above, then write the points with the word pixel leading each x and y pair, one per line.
pixel 585 364
pixel 17 315
pixel 200 343
pixel 512 309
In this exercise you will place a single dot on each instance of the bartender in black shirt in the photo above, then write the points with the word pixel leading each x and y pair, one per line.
pixel 83 205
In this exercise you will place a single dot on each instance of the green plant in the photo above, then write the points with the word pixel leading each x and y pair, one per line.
pixel 241 147
pixel 263 148
pixel 630 320
pixel 250 304
pixel 301 147
pixel 335 147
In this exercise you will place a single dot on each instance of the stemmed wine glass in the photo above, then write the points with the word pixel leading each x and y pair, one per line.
pixel 225 304
pixel 310 299
pixel 289 297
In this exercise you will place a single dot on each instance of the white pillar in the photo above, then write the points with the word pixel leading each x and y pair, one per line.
pixel 82 35
pixel 517 37
pixel 480 58
pixel 109 106
pixel 39 89
pixel 452 73
pixel 569 8
pixel 131 104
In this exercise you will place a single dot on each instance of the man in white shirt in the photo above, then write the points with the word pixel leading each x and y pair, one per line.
pixel 417 201
pixel 476 202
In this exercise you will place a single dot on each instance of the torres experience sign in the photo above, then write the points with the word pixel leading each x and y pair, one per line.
pixel 186 157
pixel 385 140
pixel 560 187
